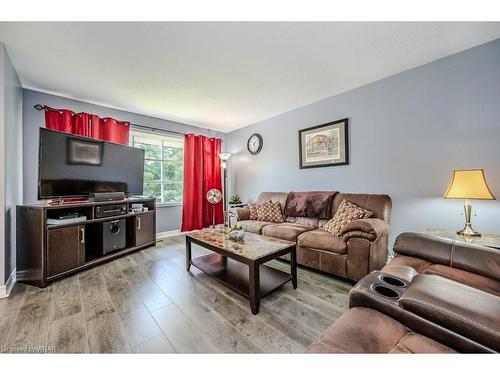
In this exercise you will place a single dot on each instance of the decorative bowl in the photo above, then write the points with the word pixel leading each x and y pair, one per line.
pixel 237 235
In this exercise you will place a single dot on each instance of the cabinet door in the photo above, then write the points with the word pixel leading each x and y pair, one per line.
pixel 145 230
pixel 65 249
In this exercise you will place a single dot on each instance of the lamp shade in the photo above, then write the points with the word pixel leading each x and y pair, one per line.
pixel 224 156
pixel 468 184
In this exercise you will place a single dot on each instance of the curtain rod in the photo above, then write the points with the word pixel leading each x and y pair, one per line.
pixel 157 129
pixel 40 107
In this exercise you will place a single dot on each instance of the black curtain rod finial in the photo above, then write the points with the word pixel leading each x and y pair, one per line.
pixel 39 107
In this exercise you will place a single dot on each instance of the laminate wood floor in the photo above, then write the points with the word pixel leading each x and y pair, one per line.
pixel 146 302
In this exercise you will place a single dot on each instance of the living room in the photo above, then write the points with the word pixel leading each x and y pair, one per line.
pixel 250 187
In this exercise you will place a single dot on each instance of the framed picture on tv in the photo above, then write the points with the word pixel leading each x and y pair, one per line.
pixel 84 152
pixel 324 145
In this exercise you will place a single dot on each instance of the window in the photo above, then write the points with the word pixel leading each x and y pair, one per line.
pixel 163 165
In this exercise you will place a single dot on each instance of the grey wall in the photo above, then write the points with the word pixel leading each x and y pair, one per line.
pixel 407 133
pixel 168 217
pixel 11 161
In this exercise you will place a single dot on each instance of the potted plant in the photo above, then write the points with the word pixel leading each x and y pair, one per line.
pixel 235 199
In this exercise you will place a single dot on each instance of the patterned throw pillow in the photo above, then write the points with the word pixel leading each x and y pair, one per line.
pixel 346 213
pixel 270 211
pixel 253 211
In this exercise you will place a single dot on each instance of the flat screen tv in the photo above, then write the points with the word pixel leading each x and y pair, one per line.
pixel 73 166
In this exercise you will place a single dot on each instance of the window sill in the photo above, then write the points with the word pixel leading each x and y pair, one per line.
pixel 168 205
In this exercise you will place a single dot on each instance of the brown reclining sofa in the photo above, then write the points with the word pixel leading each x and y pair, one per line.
pixel 361 247
pixel 473 265
pixel 435 296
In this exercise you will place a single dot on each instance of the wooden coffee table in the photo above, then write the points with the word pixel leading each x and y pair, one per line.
pixel 240 264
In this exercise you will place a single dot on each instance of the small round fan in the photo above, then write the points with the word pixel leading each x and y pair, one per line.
pixel 214 196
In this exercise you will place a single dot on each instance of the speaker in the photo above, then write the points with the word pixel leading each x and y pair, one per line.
pixel 107 197
pixel 113 236
pixel 103 238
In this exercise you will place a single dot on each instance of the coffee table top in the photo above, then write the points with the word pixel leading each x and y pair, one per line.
pixel 253 246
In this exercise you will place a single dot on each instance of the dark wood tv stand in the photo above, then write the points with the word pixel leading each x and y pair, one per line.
pixel 48 252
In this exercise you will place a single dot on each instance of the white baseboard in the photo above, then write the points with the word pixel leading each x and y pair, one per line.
pixel 169 233
pixel 5 289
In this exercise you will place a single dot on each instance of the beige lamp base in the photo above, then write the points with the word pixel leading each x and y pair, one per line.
pixel 468 231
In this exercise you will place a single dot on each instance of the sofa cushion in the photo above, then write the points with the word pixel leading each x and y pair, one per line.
pixel 362 330
pixel 322 240
pixel 465 277
pixel 346 214
pixel 242 213
pixel 270 211
pixel 379 204
pixel 285 231
pixel 309 221
pixel 252 207
pixel 424 246
pixel 467 311
pixel 253 226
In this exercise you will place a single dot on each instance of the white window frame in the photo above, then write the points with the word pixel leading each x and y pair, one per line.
pixel 164 137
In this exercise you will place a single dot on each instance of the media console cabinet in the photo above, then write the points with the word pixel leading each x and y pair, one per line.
pixel 47 252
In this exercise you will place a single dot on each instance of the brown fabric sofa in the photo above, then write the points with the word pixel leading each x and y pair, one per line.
pixel 473 265
pixel 361 248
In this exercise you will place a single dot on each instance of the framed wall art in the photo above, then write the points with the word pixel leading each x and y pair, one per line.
pixel 324 145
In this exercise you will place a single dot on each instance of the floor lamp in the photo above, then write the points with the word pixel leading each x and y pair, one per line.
pixel 224 157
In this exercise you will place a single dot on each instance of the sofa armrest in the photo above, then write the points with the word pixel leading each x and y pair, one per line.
pixel 370 229
pixel 243 213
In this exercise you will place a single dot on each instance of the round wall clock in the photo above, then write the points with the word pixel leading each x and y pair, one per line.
pixel 255 143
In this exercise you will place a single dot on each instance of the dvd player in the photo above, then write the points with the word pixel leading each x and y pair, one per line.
pixel 110 210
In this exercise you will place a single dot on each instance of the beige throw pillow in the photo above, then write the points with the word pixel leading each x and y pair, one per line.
pixel 346 213
pixel 270 211
pixel 252 207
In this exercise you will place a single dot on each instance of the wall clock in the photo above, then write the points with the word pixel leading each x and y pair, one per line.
pixel 255 143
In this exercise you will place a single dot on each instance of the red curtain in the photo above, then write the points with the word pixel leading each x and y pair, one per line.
pixel 202 172
pixel 87 125
pixel 112 130
pixel 59 119
pixel 82 125
pixel 95 127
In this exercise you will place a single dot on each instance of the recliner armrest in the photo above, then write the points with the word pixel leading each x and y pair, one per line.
pixel 371 229
pixel 243 213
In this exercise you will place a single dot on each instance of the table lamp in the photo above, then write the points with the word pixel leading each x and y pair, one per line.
pixel 468 184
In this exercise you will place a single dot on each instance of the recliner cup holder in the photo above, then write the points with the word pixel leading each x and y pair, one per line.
pixel 385 291
pixel 393 281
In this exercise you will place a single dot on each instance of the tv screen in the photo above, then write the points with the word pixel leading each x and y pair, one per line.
pixel 71 166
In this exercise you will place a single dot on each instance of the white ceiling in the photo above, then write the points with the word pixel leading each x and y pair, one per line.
pixel 223 75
